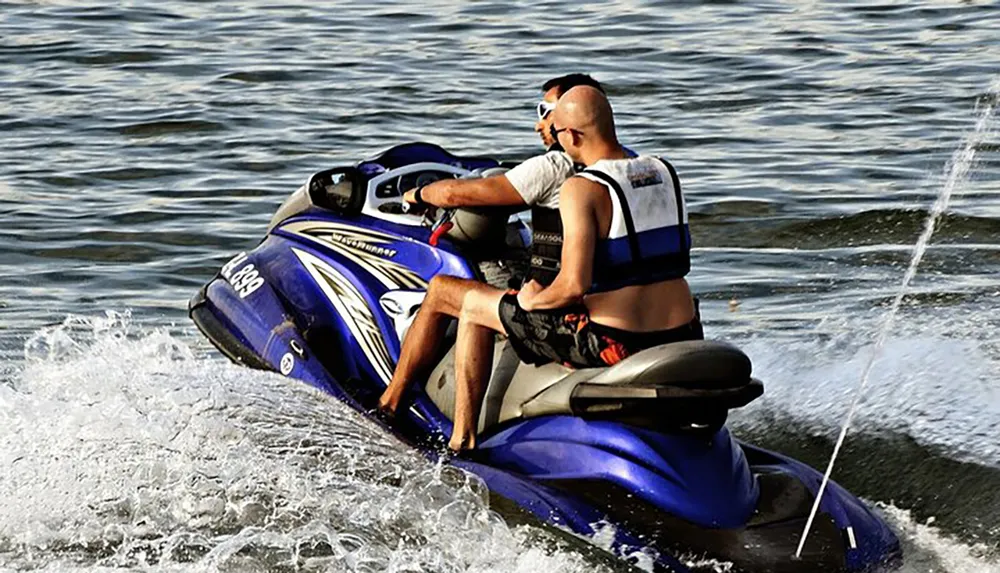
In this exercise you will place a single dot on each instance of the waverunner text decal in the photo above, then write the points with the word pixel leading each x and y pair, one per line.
pixel 361 245
pixel 245 281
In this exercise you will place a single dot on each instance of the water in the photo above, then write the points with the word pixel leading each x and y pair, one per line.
pixel 145 143
pixel 958 169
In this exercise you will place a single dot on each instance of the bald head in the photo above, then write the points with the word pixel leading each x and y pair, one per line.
pixel 586 109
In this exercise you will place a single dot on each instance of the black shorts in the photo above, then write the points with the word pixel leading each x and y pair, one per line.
pixel 567 336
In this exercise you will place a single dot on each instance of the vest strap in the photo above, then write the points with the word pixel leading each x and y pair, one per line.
pixel 633 237
pixel 680 200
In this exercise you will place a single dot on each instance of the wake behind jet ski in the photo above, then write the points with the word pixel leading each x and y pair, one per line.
pixel 328 294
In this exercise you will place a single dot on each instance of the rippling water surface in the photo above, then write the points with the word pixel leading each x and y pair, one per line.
pixel 144 143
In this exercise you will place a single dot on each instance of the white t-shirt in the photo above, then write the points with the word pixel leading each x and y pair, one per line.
pixel 538 179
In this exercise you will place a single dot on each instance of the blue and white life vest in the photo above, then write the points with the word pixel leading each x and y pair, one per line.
pixel 649 240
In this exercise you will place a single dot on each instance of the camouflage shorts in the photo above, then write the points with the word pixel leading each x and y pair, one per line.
pixel 567 336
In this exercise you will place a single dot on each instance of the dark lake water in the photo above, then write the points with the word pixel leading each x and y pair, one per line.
pixel 143 143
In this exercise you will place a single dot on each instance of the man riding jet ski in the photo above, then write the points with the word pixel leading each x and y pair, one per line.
pixel 618 289
pixel 334 287
pixel 533 183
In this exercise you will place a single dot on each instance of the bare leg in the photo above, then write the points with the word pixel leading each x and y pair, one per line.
pixel 443 300
pixel 479 320
pixel 473 363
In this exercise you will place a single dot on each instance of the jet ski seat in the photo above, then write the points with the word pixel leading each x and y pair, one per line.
pixel 681 387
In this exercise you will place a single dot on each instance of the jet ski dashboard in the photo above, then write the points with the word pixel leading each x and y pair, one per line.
pixel 375 187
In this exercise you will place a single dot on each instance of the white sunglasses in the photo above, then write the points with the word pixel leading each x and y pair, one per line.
pixel 544 108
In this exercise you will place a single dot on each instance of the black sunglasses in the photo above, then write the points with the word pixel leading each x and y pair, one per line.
pixel 555 132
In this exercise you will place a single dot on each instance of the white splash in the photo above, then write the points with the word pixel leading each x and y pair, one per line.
pixel 928 550
pixel 120 449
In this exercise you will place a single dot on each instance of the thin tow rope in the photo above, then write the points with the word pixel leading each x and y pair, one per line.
pixel 958 169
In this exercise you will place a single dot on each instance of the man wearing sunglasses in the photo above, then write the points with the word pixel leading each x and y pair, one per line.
pixel 535 182
pixel 619 287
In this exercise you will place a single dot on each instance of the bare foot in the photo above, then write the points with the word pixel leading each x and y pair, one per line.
pixel 461 442
pixel 388 403
pixel 384 412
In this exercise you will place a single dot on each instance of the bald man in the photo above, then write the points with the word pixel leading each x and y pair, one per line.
pixel 618 287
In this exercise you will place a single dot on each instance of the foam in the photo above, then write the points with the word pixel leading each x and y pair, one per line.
pixel 928 550
pixel 125 450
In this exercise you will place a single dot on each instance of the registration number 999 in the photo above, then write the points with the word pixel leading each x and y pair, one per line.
pixel 244 281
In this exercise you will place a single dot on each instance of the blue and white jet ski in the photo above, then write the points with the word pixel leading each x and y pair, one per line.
pixel 329 293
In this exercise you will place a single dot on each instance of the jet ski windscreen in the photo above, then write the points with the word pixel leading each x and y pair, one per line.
pixel 296 203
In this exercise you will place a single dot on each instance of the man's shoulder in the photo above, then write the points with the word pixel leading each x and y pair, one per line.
pixel 580 183
pixel 538 178
pixel 554 165
pixel 558 155
pixel 556 158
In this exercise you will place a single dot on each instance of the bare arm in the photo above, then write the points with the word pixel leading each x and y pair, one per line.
pixel 578 210
pixel 493 191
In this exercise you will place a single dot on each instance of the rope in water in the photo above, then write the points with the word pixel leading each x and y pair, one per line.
pixel 958 169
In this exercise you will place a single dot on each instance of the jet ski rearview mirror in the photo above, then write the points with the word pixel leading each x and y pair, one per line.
pixel 341 190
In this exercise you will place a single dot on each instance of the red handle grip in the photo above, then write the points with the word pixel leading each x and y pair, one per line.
pixel 436 235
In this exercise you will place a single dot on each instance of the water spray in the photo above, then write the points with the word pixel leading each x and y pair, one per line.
pixel 957 169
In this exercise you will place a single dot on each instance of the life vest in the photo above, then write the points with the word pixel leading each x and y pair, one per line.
pixel 649 240
pixel 546 244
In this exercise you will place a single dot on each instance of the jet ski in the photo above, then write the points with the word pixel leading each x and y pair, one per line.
pixel 642 446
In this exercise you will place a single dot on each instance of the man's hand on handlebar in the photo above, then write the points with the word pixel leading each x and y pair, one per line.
pixel 410 196
pixel 414 204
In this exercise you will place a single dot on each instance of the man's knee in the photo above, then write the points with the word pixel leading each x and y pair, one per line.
pixel 437 286
pixel 446 293
pixel 475 307
pixel 438 282
pixel 446 284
